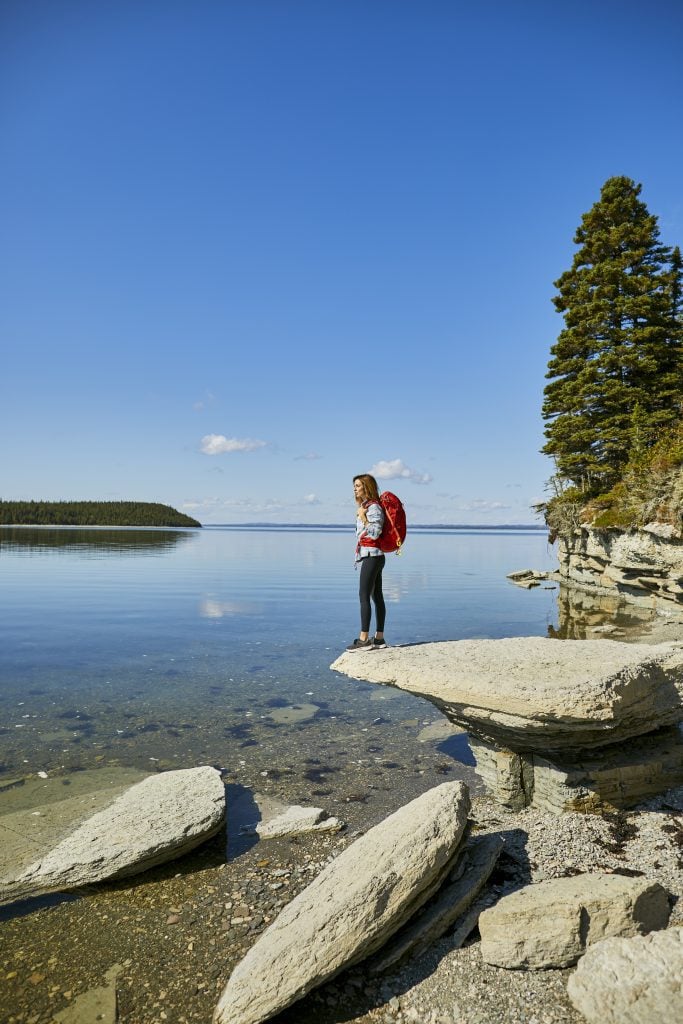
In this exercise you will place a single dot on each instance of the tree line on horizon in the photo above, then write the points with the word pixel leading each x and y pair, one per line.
pixel 614 397
pixel 91 513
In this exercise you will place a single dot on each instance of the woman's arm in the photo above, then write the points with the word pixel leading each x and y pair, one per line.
pixel 374 520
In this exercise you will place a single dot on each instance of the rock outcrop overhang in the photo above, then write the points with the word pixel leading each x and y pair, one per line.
pixel 536 694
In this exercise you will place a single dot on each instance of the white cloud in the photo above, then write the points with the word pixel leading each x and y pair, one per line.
pixel 218 444
pixel 309 457
pixel 396 469
pixel 311 499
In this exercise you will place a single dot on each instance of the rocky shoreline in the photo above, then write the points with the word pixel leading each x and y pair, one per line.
pixel 643 566
pixel 162 946
pixel 175 935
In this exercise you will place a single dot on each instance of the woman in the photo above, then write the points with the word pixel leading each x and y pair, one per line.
pixel 369 523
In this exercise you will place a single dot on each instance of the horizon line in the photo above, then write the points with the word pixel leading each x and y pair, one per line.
pixel 414 526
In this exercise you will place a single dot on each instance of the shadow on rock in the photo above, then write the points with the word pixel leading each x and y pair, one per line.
pixel 242 811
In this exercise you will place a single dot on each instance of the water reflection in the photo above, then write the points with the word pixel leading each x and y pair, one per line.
pixel 583 616
pixel 29 540
pixel 212 609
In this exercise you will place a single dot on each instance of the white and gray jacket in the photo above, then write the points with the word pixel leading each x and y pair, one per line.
pixel 375 514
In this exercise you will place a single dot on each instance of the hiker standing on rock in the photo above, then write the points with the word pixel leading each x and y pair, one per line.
pixel 370 558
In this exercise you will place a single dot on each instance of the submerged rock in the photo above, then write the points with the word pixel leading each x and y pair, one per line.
pixel 162 817
pixel 551 923
pixel 537 694
pixel 631 981
pixel 95 1004
pixel 347 913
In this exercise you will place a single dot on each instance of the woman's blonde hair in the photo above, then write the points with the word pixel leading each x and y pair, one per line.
pixel 369 486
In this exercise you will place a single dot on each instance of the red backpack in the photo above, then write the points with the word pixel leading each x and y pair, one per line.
pixel 394 530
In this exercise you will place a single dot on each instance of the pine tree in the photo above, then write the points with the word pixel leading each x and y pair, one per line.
pixel 616 366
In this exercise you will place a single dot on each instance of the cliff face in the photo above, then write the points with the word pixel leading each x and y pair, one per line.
pixel 644 566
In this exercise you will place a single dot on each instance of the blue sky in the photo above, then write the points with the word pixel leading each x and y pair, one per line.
pixel 250 248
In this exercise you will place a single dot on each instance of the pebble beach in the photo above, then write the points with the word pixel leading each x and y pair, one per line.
pixel 168 940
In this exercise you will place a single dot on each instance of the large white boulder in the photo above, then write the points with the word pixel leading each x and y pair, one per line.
pixel 631 981
pixel 160 818
pixel 360 899
pixel 551 923
pixel 537 694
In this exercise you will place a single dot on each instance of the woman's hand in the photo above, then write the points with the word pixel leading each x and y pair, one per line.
pixel 362 515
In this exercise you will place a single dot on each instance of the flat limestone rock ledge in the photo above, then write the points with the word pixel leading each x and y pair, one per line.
pixel 551 923
pixel 349 911
pixel 631 981
pixel 537 694
pixel 162 817
pixel 593 781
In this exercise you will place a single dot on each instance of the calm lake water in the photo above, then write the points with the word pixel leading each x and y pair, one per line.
pixel 171 648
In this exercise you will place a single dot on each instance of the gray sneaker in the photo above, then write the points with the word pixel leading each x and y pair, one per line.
pixel 378 645
pixel 361 645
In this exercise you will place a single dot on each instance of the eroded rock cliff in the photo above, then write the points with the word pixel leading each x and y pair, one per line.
pixel 643 566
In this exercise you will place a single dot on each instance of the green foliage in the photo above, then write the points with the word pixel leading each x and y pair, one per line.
pixel 649 490
pixel 616 371
pixel 91 513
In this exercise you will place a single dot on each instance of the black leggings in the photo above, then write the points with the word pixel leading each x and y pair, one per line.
pixel 371 587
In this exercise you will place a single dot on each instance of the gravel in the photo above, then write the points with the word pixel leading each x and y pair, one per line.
pixel 178 931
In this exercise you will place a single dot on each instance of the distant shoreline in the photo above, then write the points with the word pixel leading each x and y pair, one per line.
pixel 349 526
pixel 93 513
pixel 416 528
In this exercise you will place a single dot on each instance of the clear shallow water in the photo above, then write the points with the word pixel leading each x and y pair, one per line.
pixel 172 648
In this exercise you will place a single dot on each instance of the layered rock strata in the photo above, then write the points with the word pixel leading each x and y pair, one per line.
pixel 640 566
pixel 353 906
pixel 162 817
pixel 616 776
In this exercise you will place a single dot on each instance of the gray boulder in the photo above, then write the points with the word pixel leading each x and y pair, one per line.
pixel 160 818
pixel 360 899
pixel 537 694
pixel 631 981
pixel 551 923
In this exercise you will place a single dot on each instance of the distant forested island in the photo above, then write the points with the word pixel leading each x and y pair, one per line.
pixel 91 513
